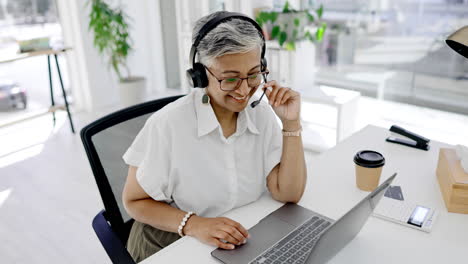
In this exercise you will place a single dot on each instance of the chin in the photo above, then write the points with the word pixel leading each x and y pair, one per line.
pixel 235 105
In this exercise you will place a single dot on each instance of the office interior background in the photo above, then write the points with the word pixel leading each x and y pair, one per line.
pixel 380 63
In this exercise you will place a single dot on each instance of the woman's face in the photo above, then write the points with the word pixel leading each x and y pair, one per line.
pixel 229 66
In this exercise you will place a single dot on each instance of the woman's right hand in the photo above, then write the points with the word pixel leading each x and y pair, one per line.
pixel 214 231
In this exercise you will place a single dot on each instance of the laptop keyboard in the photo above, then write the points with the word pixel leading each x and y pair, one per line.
pixel 295 247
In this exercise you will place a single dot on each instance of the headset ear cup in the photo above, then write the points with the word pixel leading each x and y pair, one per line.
pixel 200 72
pixel 191 77
pixel 197 76
pixel 264 64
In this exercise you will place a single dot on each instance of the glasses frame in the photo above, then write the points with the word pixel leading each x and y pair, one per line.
pixel 264 74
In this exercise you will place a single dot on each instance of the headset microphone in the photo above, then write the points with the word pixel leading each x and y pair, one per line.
pixel 257 102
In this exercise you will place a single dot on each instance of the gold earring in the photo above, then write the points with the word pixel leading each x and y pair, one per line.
pixel 205 99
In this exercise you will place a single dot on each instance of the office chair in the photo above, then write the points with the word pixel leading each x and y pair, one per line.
pixel 105 141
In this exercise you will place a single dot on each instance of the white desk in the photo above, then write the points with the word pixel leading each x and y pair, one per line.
pixel 331 191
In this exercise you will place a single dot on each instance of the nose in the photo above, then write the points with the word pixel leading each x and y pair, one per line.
pixel 243 89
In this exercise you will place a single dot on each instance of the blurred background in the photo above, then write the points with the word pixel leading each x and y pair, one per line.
pixel 388 50
pixel 376 62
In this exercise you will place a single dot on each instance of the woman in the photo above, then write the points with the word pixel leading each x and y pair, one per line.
pixel 210 152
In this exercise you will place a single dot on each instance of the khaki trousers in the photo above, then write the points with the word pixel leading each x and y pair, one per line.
pixel 145 240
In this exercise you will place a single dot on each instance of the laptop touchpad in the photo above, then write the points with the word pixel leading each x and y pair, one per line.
pixel 294 214
pixel 262 236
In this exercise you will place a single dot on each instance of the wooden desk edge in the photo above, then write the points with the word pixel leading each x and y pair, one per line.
pixel 25 55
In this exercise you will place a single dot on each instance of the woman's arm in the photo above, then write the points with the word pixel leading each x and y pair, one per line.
pixel 287 180
pixel 141 207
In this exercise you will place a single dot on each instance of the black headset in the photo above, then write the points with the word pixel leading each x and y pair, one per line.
pixel 197 74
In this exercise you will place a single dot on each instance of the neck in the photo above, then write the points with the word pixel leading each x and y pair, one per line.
pixel 225 117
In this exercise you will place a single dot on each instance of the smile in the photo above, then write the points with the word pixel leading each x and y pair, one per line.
pixel 239 99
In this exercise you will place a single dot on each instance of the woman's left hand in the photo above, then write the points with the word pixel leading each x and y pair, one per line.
pixel 285 102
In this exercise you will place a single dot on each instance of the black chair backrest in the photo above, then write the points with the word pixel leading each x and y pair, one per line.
pixel 105 141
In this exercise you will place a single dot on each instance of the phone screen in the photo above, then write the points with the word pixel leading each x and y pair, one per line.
pixel 418 216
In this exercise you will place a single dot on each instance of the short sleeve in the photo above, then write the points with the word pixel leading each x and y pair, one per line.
pixel 150 152
pixel 273 141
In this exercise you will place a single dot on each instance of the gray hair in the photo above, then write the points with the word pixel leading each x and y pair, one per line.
pixel 230 37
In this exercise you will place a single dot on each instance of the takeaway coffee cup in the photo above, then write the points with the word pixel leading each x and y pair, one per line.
pixel 369 166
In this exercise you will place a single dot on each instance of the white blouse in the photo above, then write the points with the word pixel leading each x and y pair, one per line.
pixel 184 159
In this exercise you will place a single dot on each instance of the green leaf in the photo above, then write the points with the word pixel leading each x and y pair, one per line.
pixel 309 36
pixel 273 16
pixel 286 7
pixel 297 22
pixel 259 21
pixel 265 16
pixel 320 32
pixel 275 31
pixel 262 17
pixel 310 17
pixel 320 11
pixel 282 38
pixel 290 46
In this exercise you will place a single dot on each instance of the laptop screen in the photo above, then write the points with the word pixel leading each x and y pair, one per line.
pixel 347 227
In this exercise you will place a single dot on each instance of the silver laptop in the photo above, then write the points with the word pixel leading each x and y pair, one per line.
pixel 294 234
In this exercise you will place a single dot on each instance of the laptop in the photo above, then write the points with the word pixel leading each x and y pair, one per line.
pixel 294 234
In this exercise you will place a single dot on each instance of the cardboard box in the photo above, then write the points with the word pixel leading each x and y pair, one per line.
pixel 453 181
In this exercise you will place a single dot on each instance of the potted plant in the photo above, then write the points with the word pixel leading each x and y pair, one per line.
pixel 112 39
pixel 291 26
pixel 296 32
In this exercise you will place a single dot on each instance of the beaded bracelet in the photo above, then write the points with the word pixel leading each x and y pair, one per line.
pixel 183 222
pixel 292 133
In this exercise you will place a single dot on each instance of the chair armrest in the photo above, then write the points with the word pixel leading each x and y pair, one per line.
pixel 114 247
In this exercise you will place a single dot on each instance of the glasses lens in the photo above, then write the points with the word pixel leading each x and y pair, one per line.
pixel 255 80
pixel 230 84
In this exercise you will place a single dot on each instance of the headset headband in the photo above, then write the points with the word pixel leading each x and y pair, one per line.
pixel 214 22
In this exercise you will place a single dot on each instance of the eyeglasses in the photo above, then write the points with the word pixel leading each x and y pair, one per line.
pixel 233 83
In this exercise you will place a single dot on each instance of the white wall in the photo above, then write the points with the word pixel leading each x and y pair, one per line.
pixel 171 43
pixel 93 83
pixel 145 27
